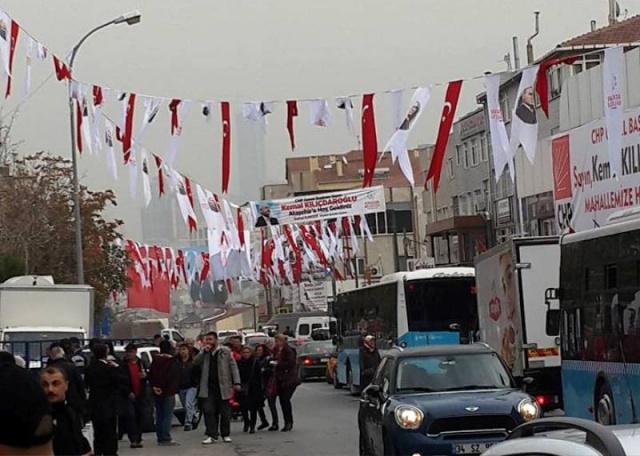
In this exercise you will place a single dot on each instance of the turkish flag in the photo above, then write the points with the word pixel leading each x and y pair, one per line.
pixel 15 29
pixel 542 83
pixel 448 112
pixel 226 145
pixel 155 297
pixel 369 140
pixel 292 111
pixel 128 128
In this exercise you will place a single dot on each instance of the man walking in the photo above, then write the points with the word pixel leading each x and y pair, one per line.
pixel 67 422
pixel 136 375
pixel 219 378
pixel 164 377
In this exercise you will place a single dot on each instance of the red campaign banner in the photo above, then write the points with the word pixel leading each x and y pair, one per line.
pixel 154 297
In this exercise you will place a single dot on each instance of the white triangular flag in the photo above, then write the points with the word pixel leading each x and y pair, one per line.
pixel 524 122
pixel 86 122
pixel 398 142
pixel 183 110
pixel 346 104
pixel 182 188
pixel 320 113
pixel 396 108
pixel 108 141
pixel 133 174
pixel 613 85
pixel 146 184
pixel 497 129
pixel 206 110
pixel 28 59
pixel 251 111
pixel 41 51
pixel 151 107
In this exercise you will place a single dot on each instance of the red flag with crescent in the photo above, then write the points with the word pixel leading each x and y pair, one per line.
pixel 128 128
pixel 369 139
pixel 448 112
pixel 542 83
pixel 292 111
pixel 226 145
pixel 160 174
pixel 15 30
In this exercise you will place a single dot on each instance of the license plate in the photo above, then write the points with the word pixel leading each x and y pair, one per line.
pixel 324 360
pixel 472 448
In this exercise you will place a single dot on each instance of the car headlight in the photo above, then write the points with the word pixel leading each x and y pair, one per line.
pixel 409 417
pixel 528 409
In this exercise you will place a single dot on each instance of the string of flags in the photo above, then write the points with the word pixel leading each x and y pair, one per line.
pixel 90 100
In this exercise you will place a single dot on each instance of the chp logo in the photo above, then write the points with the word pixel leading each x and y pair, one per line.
pixel 495 309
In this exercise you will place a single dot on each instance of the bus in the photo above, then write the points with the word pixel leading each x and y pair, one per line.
pixel 432 306
pixel 598 322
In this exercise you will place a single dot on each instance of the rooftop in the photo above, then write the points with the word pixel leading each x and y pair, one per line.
pixel 625 32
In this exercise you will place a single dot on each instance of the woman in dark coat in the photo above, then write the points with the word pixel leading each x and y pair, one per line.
pixel 284 380
pixel 247 368
pixel 262 358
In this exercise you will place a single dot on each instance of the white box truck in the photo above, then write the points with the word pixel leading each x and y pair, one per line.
pixel 34 311
pixel 511 281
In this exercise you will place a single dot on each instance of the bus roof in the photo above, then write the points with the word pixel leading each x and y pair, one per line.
pixel 608 230
pixel 429 273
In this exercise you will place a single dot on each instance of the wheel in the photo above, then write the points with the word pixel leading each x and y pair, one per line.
pixel 605 411
pixel 353 390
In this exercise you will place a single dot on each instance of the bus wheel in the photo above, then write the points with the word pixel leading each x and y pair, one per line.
pixel 605 410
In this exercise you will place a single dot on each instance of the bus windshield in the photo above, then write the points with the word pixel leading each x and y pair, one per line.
pixel 434 304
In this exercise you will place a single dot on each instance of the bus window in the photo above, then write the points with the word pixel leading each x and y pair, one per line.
pixel 303 330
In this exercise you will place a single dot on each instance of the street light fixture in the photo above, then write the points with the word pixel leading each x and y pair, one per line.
pixel 130 19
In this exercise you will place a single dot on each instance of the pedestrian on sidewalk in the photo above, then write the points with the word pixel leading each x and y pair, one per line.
pixel 67 421
pixel 249 395
pixel 262 359
pixel 188 384
pixel 283 382
pixel 106 385
pixel 76 395
pixel 369 360
pixel 26 425
pixel 219 379
pixel 136 393
pixel 164 377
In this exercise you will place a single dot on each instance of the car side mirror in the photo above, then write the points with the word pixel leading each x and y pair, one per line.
pixel 552 323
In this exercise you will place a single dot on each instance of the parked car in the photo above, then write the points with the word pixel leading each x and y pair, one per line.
pixel 568 437
pixel 447 399
pixel 313 358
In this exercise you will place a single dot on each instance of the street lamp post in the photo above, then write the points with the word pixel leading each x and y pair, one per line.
pixel 130 19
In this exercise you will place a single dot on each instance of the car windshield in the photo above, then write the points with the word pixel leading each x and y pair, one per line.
pixel 452 373
pixel 323 348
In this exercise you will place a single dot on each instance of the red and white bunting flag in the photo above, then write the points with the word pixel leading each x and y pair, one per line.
pixel 179 110
pixel 28 60
pixel 446 121
pixel 110 157
pixel 128 127
pixel 364 228
pixel 369 139
pixel 62 70
pixel 320 113
pixel 152 106
pixel 159 165
pixel 15 30
pixel 524 122
pixel 132 164
pixel 292 111
pixel 398 142
pixel 206 110
pixel 185 200
pixel 397 109
pixel 226 145
pixel 86 122
pixel 499 138
pixel 41 52
pixel 346 104
pixel 79 119
pixel 613 70
pixel 146 183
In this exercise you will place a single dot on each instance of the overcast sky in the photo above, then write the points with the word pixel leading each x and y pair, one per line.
pixel 241 50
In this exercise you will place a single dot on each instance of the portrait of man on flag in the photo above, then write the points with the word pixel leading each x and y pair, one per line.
pixel 526 110
pixel 411 115
pixel 265 218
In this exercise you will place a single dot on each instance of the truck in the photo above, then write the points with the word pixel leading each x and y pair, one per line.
pixel 511 282
pixel 144 329
pixel 35 311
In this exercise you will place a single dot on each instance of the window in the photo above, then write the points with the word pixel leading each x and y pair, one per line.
pixel 466 155
pixel 474 152
pixel 483 149
pixel 479 197
pixel 458 155
pixel 471 204
pixel 303 330
pixel 462 205
pixel 450 168
pixel 506 110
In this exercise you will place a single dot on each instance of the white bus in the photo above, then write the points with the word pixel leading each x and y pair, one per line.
pixel 433 306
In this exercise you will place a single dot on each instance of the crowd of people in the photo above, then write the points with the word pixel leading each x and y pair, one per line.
pixel 215 381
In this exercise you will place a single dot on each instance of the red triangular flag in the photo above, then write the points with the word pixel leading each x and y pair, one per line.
pixel 175 122
pixel 160 174
pixel 241 227
pixel 448 113
pixel 15 30
pixel 542 83
pixel 79 125
pixel 369 139
pixel 62 70
pixel 98 96
pixel 128 128
pixel 226 145
pixel 292 111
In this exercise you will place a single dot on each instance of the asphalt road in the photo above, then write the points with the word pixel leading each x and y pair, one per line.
pixel 325 425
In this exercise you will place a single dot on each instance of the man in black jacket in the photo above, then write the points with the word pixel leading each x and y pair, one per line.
pixel 369 360
pixel 67 422
pixel 76 395
pixel 136 387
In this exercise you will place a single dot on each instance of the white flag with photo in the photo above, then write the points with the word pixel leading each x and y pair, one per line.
pixel 398 142
pixel 499 138
pixel 320 113
pixel 612 81
pixel 146 183
pixel 524 121
pixel 183 110
pixel 346 104
pixel 133 174
pixel 152 106
pixel 110 157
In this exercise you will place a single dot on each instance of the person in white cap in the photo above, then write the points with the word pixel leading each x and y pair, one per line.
pixel 369 360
